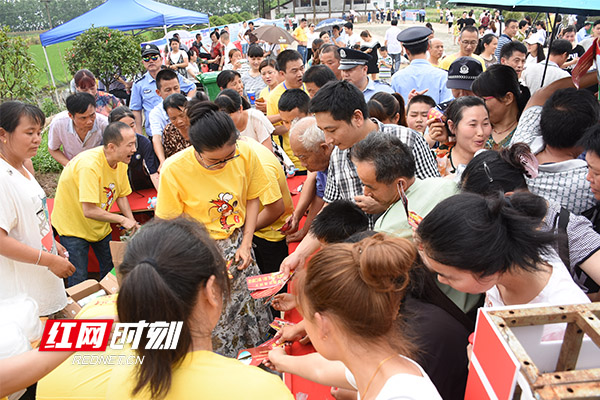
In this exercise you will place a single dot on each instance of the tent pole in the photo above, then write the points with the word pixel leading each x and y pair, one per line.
pixel 165 28
pixel 549 47
pixel 50 70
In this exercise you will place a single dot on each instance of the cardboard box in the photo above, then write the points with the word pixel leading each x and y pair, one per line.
pixel 75 293
pixel 117 250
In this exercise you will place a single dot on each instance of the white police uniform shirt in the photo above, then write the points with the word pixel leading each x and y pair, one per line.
pixel 144 96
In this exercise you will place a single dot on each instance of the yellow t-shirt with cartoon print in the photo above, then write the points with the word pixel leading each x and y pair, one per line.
pixel 217 198
pixel 88 178
pixel 276 174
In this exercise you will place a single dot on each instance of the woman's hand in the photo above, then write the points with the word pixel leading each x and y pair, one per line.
pixel 60 266
pixel 276 356
pixel 243 257
pixel 293 333
pixel 284 302
pixel 437 130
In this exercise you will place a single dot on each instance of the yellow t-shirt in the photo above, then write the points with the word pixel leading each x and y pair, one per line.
pixel 206 375
pixel 88 178
pixel 217 198
pixel 273 109
pixel 264 94
pixel 276 174
pixel 73 381
pixel 445 63
pixel 300 35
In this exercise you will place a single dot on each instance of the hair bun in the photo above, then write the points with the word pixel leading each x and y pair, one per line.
pixel 384 262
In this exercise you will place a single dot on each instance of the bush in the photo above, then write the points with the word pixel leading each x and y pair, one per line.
pixel 217 21
pixel 106 52
pixel 18 72
pixel 43 162
pixel 513 14
pixel 230 18
pixel 246 16
pixel 49 107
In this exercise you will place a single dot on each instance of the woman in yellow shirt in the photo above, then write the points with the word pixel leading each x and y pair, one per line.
pixel 218 182
pixel 174 271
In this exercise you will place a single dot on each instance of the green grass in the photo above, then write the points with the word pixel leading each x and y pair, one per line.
pixel 43 162
pixel 61 73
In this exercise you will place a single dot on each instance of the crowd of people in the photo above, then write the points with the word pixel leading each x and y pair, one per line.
pixel 450 183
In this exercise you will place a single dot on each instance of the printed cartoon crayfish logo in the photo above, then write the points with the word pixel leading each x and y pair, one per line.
pixel 225 208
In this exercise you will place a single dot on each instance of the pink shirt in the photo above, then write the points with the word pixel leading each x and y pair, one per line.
pixel 62 132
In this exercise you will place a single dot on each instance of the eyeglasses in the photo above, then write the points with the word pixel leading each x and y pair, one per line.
pixel 224 161
pixel 153 58
pixel 469 42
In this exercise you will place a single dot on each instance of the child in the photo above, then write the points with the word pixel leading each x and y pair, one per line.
pixel 416 112
pixel 252 79
pixel 385 65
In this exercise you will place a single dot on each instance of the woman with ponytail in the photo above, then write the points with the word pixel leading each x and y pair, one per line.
pixel 174 271
pixel 577 244
pixel 505 99
pixel 494 245
pixel 218 182
pixel 357 337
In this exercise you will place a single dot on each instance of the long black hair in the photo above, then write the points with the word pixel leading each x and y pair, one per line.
pixel 165 266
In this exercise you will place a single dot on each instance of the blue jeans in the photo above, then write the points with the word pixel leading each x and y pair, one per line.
pixel 302 50
pixel 397 59
pixel 78 255
pixel 244 48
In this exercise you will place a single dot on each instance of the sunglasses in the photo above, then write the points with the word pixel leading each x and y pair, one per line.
pixel 149 58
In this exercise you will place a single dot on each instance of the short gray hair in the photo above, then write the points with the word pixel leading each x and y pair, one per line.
pixel 308 133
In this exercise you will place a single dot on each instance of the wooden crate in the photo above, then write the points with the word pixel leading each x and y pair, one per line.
pixel 565 382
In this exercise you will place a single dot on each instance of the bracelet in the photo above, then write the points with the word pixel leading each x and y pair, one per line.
pixel 39 258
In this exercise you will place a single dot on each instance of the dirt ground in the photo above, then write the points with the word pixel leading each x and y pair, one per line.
pixel 48 182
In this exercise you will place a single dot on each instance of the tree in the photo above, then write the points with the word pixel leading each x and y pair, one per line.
pixel 17 69
pixel 106 52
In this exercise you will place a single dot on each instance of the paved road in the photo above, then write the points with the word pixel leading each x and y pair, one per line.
pixel 440 30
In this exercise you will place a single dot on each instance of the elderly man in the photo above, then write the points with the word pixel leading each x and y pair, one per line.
pixel 354 68
pixel 143 93
pixel 88 187
pixel 420 75
pixel 308 144
pixel 467 40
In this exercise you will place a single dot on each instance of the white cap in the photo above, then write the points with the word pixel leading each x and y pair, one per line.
pixel 535 38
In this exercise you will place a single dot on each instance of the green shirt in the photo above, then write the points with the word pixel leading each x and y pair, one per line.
pixel 423 195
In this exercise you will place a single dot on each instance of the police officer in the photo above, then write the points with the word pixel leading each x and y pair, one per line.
pixel 420 75
pixel 143 91
pixel 353 65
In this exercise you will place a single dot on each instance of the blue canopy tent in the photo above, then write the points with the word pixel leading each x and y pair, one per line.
pixel 124 15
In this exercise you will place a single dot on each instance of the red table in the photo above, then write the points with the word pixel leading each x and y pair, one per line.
pixel 293 382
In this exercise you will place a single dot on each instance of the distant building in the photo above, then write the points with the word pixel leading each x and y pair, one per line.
pixel 304 8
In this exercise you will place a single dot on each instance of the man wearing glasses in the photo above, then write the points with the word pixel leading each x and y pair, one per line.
pixel 143 92
pixel 467 40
